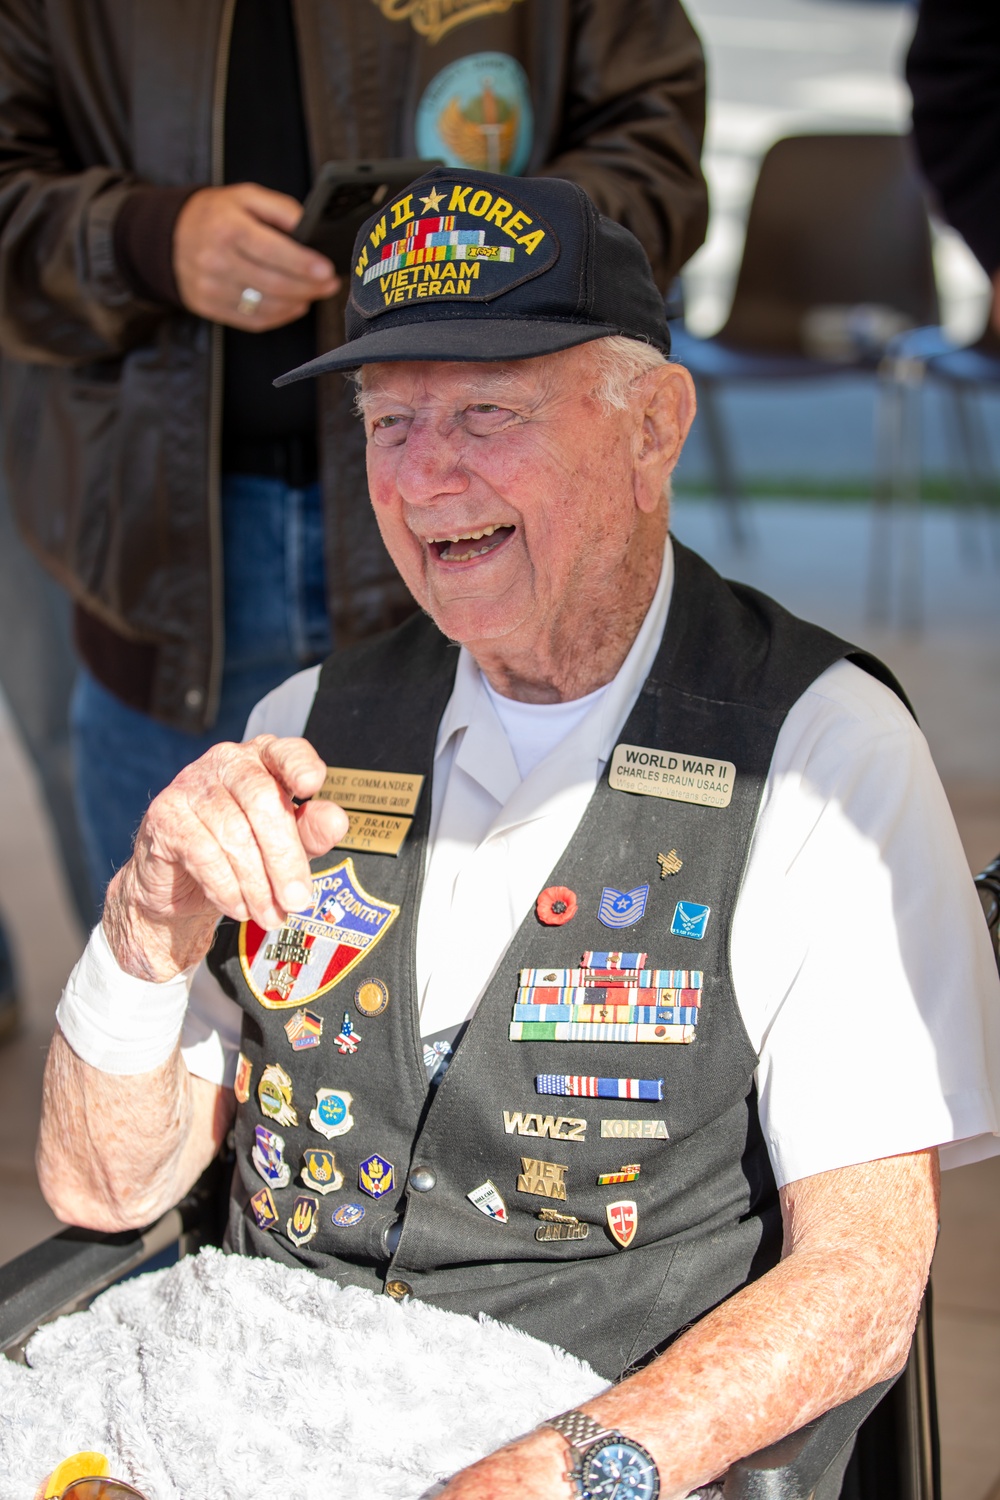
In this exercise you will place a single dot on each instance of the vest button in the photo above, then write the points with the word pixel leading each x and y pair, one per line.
pixel 422 1179
pixel 400 1291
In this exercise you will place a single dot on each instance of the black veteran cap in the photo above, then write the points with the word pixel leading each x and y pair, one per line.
pixel 472 266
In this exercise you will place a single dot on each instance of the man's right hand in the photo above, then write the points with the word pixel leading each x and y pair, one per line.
pixel 229 239
pixel 223 839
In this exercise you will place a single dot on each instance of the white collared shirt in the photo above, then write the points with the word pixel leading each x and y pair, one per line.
pixel 861 964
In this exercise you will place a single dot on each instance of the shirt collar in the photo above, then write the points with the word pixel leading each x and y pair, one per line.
pixel 482 749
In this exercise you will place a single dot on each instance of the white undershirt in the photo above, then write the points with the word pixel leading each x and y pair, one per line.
pixel 861 964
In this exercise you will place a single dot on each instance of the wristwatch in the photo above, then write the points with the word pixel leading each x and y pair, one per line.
pixel 606 1464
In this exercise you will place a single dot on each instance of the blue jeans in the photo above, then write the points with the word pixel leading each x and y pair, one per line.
pixel 276 623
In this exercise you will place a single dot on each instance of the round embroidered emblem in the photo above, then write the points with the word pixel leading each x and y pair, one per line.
pixel 477 113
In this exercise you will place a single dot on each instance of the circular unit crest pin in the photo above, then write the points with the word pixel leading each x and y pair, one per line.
pixel 371 997
pixel 347 1215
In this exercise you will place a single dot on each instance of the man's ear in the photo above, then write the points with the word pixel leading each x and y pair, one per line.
pixel 666 421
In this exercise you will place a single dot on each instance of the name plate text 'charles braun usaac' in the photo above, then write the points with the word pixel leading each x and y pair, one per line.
pixel 672 774
pixel 379 804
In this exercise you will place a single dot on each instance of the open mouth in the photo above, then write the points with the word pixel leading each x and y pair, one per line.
pixel 470 544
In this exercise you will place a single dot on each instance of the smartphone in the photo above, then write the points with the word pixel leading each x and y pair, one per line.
pixel 344 195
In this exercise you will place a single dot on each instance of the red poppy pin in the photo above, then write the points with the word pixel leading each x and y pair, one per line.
pixel 556 905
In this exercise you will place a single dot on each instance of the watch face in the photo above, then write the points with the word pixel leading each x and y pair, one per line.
pixel 619 1470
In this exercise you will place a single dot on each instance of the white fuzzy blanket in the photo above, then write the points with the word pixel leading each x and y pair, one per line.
pixel 225 1378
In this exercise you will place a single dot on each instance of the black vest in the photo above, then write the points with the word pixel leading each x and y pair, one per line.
pixel 730 666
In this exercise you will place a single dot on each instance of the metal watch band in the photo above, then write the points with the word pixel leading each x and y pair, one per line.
pixel 579 1430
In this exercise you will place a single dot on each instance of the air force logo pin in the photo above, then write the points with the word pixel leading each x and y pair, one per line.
pixel 690 919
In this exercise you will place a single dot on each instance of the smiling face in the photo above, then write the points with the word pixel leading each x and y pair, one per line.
pixel 518 510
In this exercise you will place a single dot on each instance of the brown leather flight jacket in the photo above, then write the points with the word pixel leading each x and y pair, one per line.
pixel 111 406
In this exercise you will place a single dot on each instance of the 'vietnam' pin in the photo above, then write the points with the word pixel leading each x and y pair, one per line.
pixel 547 1179
pixel 669 864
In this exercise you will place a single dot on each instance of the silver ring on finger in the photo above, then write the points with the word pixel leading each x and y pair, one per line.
pixel 250 300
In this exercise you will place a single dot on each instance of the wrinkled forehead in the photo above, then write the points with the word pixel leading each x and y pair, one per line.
pixel 445 381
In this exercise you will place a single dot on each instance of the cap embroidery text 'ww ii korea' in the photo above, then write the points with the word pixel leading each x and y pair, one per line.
pixel 468 265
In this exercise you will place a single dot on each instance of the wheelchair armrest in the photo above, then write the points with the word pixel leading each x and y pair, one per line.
pixel 64 1273
pixel 792 1468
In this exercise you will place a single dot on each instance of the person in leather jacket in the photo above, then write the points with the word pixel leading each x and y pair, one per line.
pixel 214 535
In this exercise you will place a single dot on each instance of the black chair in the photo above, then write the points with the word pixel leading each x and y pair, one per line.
pixel 914 360
pixel 837 260
pixel 882 1445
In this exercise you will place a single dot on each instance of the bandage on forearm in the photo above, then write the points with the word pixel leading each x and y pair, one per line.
pixel 114 1022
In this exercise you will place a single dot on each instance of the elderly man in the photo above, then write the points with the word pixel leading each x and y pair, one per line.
pixel 447 1085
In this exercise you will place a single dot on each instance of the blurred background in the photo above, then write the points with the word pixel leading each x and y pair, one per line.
pixel 916 581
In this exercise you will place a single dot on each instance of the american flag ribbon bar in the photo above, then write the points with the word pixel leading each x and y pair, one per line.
pixel 581 1031
pixel 615 1015
pixel 572 1085
pixel 607 995
pixel 638 978
pixel 612 959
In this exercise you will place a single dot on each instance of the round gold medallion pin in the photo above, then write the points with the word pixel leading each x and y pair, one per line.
pixel 371 998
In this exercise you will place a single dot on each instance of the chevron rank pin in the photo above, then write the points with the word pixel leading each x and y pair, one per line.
pixel 622 908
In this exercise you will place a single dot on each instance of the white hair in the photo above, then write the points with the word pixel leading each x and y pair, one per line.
pixel 621 364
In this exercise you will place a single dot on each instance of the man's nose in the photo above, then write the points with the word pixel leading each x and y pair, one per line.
pixel 430 465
